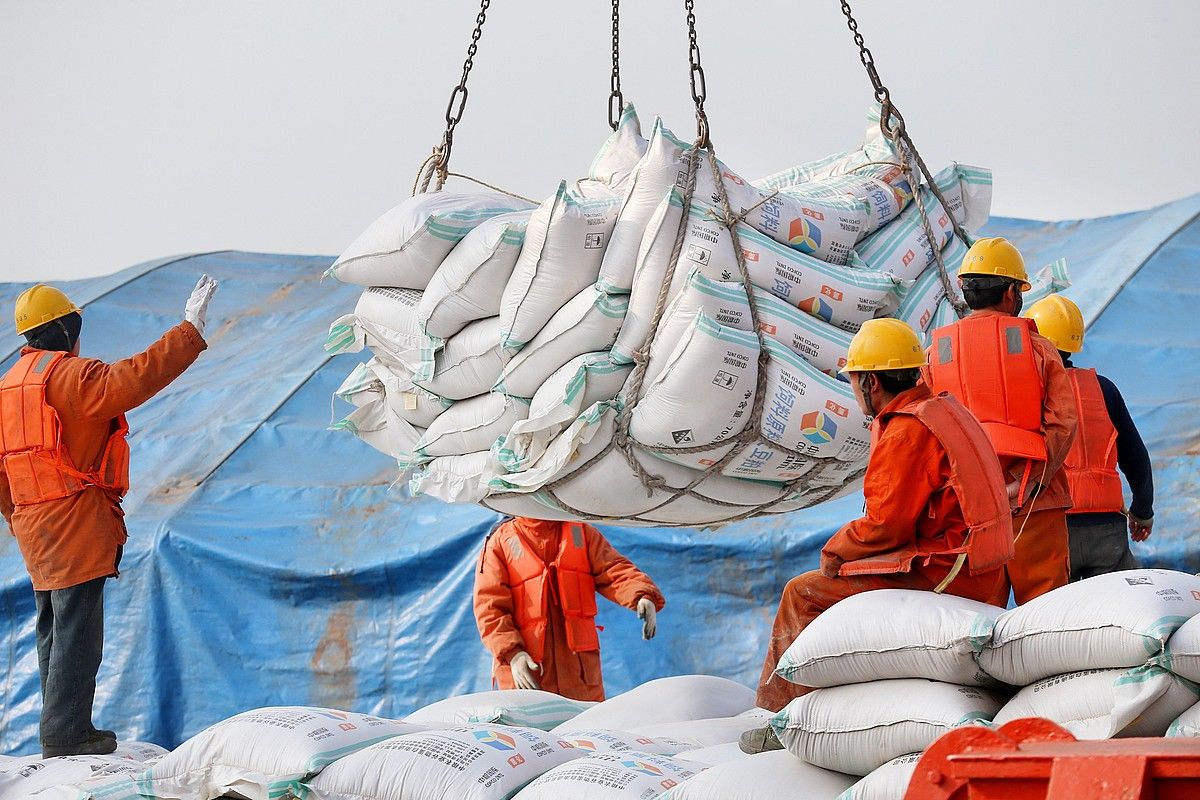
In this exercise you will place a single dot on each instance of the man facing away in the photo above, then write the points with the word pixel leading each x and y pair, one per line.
pixel 535 603
pixel 1105 440
pixel 64 467
pixel 936 516
pixel 1013 381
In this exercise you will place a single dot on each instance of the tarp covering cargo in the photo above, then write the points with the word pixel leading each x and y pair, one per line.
pixel 269 563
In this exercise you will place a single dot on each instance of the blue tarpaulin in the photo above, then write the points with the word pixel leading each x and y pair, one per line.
pixel 270 563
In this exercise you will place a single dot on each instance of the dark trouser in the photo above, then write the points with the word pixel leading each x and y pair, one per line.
pixel 70 643
pixel 1099 544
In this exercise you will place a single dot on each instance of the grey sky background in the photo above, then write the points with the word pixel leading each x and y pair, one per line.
pixel 133 130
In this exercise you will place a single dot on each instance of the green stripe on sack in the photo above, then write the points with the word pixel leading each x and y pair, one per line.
pixel 789 356
pixel 861 279
pixel 710 327
pixel 614 306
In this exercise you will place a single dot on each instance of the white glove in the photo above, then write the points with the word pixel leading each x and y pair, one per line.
pixel 649 618
pixel 197 304
pixel 522 667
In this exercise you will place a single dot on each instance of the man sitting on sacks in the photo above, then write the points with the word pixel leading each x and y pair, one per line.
pixel 935 501
pixel 535 603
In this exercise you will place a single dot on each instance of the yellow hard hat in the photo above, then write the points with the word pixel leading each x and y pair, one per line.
pixel 884 344
pixel 995 256
pixel 1060 321
pixel 40 304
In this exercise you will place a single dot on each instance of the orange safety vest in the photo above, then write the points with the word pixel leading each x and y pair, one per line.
pixel 987 362
pixel 36 460
pixel 575 586
pixel 1091 464
pixel 977 481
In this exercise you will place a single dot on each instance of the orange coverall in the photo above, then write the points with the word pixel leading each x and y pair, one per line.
pixel 79 538
pixel 570 674
pixel 1043 560
pixel 907 498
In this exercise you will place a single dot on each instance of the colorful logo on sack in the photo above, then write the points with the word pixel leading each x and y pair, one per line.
pixel 817 427
pixel 903 192
pixel 734 179
pixel 642 767
pixel 768 328
pixel 832 293
pixel 908 257
pixel 584 744
pixel 804 235
pixel 818 308
pixel 496 740
pixel 840 410
pixel 749 255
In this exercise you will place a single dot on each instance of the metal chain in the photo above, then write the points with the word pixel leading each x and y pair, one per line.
pixel 696 76
pixel 892 122
pixel 616 101
pixel 458 98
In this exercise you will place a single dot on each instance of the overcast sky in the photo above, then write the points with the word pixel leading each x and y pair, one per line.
pixel 133 130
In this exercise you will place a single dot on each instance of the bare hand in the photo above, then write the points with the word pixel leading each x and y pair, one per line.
pixel 1140 529
pixel 649 617
pixel 523 667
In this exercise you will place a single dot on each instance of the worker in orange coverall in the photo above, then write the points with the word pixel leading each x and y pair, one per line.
pixel 64 467
pixel 535 604
pixel 936 516
pixel 1014 382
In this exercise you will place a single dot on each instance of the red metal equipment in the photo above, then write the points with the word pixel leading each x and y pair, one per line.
pixel 1034 759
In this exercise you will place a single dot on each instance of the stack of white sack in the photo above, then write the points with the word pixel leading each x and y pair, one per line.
pixel 110 777
pixel 893 670
pixel 1093 656
pixel 506 338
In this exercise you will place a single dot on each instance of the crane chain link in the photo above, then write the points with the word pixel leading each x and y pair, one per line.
pixel 458 99
pixel 616 100
pixel 696 76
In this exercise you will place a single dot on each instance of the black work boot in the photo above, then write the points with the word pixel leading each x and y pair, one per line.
pixel 94 745
pixel 103 732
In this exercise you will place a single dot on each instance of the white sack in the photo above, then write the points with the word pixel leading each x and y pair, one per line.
pixel 1121 619
pixel 1103 703
pixel 524 708
pixel 604 740
pixel 839 295
pixel 22 778
pixel 570 450
pixel 469 362
pixel 884 192
pixel 578 384
pixel 564 244
pixel 261 754
pixel 766 776
pixel 610 776
pixel 875 156
pixel 704 393
pixel 621 151
pixel 587 323
pixel 920 301
pixel 677 699
pixel 370 383
pixel 454 479
pixel 378 425
pixel 889 782
pixel 384 320
pixel 819 343
pixel 404 246
pixel 711 756
pixel 703 732
pixel 1183 650
pixel 471 762
pixel 468 284
pixel 892 633
pixel 660 168
pixel 1187 724
pixel 822 227
pixel 857 728
pixel 472 425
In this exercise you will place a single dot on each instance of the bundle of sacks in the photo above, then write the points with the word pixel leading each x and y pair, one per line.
pixel 1110 656
pixel 504 336
pixel 670 738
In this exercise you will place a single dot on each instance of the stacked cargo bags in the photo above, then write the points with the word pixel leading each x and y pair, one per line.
pixel 597 356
